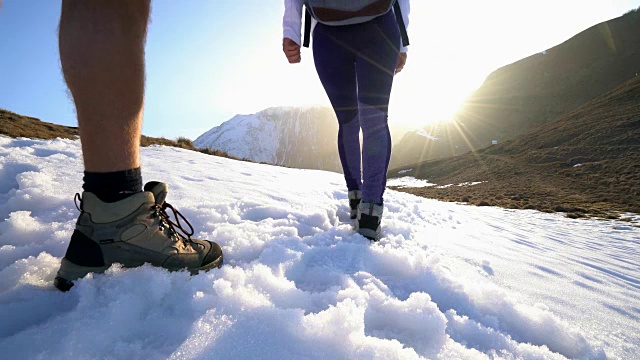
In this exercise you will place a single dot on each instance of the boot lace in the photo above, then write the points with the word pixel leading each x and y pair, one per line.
pixel 183 235
pixel 78 201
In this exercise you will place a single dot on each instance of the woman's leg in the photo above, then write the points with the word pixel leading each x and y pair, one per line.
pixel 375 66
pixel 335 64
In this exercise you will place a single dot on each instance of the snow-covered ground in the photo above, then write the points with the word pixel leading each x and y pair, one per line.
pixel 411 182
pixel 408 182
pixel 447 281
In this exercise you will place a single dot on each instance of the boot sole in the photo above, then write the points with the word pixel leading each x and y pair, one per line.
pixel 70 272
pixel 369 234
pixel 217 263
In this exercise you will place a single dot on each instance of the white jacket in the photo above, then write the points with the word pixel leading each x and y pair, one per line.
pixel 292 19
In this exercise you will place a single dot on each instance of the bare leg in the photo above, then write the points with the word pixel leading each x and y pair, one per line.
pixel 102 57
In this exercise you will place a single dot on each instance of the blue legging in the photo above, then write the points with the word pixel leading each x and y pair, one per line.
pixel 356 64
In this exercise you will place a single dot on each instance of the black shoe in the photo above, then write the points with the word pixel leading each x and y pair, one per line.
pixel 368 221
pixel 354 200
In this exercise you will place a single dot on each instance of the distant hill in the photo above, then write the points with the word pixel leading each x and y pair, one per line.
pixel 16 125
pixel 531 92
pixel 299 137
pixel 586 162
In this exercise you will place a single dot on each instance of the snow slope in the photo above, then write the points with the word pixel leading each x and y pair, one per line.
pixel 447 281
pixel 244 136
pixel 300 137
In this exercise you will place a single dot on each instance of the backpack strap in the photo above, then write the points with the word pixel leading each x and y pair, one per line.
pixel 401 24
pixel 307 26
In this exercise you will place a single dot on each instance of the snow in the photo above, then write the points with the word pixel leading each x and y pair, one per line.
pixel 412 182
pixel 245 137
pixel 278 135
pixel 408 182
pixel 469 183
pixel 446 281
pixel 426 134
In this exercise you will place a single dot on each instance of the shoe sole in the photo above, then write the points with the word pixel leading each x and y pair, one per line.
pixel 70 272
pixel 217 263
pixel 369 234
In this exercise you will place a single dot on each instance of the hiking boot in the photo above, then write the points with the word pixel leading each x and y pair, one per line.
pixel 133 231
pixel 368 220
pixel 354 200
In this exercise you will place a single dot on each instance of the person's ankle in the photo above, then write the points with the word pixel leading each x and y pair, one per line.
pixel 113 186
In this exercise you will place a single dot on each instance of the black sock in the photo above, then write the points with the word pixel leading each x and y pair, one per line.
pixel 113 186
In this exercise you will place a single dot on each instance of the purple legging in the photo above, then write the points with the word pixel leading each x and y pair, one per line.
pixel 356 64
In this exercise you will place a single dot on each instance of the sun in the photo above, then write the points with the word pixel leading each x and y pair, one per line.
pixel 415 104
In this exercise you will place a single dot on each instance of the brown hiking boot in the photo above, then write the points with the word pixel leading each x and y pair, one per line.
pixel 133 231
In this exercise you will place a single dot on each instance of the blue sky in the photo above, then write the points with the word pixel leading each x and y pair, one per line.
pixel 208 60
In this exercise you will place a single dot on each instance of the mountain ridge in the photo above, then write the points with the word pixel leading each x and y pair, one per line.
pixel 585 163
pixel 533 91
pixel 300 137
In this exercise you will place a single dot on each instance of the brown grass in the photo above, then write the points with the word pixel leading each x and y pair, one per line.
pixel 534 91
pixel 585 164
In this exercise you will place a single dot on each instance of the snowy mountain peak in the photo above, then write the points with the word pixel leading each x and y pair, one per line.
pixel 289 136
pixel 425 133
